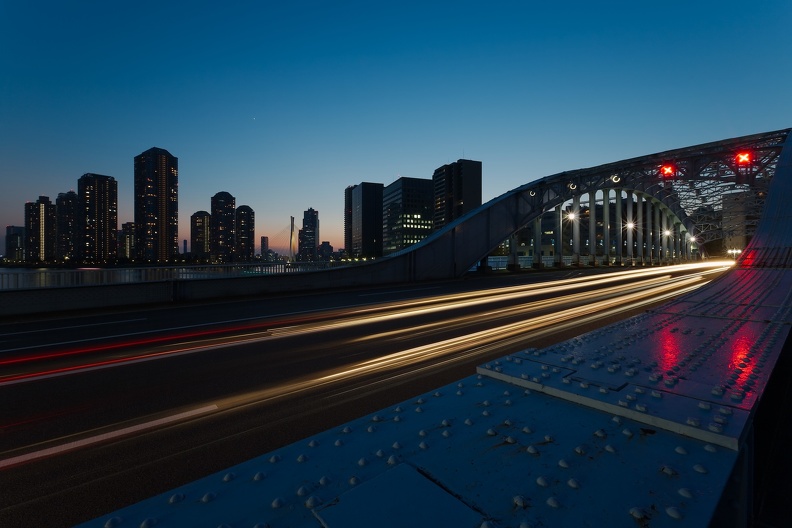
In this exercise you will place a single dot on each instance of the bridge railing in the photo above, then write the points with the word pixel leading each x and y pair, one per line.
pixel 36 278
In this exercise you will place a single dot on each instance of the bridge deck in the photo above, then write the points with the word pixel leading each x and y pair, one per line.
pixel 640 422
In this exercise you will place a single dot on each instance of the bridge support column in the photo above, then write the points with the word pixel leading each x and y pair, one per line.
pixel 513 263
pixel 537 242
pixel 606 226
pixel 619 228
pixel 658 254
pixel 677 239
pixel 575 221
pixel 593 228
pixel 630 226
pixel 639 227
pixel 559 235
pixel 665 238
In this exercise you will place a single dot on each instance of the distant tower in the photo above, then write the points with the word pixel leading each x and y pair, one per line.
pixel 406 213
pixel 264 245
pixel 156 206
pixel 40 230
pixel 200 234
pixel 223 222
pixel 66 225
pixel 457 190
pixel 308 239
pixel 97 219
pixel 245 247
pixel 366 220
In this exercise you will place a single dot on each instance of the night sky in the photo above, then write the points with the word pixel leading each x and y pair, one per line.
pixel 285 104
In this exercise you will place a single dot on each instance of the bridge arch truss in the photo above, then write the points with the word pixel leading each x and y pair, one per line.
pixel 652 209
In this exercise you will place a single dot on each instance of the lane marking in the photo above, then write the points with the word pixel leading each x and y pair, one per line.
pixel 70 446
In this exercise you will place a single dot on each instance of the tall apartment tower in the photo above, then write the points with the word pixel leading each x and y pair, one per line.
pixel 97 219
pixel 200 234
pixel 457 190
pixel 222 234
pixel 156 206
pixel 308 237
pixel 406 213
pixel 66 226
pixel 245 246
pixel 40 239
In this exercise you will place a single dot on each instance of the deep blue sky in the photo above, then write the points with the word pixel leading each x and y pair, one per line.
pixel 285 104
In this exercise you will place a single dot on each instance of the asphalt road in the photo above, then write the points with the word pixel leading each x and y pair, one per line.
pixel 105 409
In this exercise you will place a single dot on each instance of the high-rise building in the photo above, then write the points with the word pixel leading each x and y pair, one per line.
pixel 126 241
pixel 200 234
pixel 325 251
pixel 264 245
pixel 223 222
pixel 66 226
pixel 40 230
pixel 97 219
pixel 366 220
pixel 156 206
pixel 406 213
pixel 308 237
pixel 457 190
pixel 15 244
pixel 245 246
pixel 348 219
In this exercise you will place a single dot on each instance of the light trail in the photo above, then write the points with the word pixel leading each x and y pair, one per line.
pixel 400 310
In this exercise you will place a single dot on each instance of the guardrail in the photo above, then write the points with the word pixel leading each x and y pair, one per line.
pixel 36 278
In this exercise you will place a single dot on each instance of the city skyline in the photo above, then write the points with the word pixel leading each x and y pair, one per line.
pixel 284 106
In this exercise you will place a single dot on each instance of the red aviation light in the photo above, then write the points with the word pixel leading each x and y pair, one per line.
pixel 667 170
pixel 743 158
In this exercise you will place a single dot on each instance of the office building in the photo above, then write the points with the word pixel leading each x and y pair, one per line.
pixel 245 244
pixel 66 226
pixel 15 244
pixel 457 190
pixel 407 215
pixel 366 228
pixel 223 226
pixel 40 239
pixel 264 245
pixel 97 219
pixel 325 251
pixel 156 206
pixel 200 234
pixel 348 219
pixel 308 237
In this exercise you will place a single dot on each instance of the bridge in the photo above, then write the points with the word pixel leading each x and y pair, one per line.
pixel 651 210
pixel 669 418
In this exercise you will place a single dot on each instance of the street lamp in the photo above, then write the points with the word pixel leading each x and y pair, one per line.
pixel 733 253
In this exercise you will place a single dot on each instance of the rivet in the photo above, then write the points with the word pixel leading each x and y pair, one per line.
pixel 681 450
pixel 274 458
pixel 685 493
pixel 423 445
pixel 491 432
pixel 627 433
pixel 580 450
pixel 563 464
pixel 176 497
pixel 572 483
pixel 532 450
pixel 715 427
pixel 711 448
pixel 705 406
pixel 312 502
pixel 346 430
pixel 673 512
pixel 542 481
pixel 698 468
pixel 338 443
pixel 371 428
pixel 277 503
pixel 354 481
pixel 527 430
pixel 553 502
pixel 468 421
pixel 313 443
pixel 637 513
pixel 600 433
pixel 695 422
pixel 259 476
pixel 668 470
pixel 610 449
pixel 302 491
pixel 112 522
